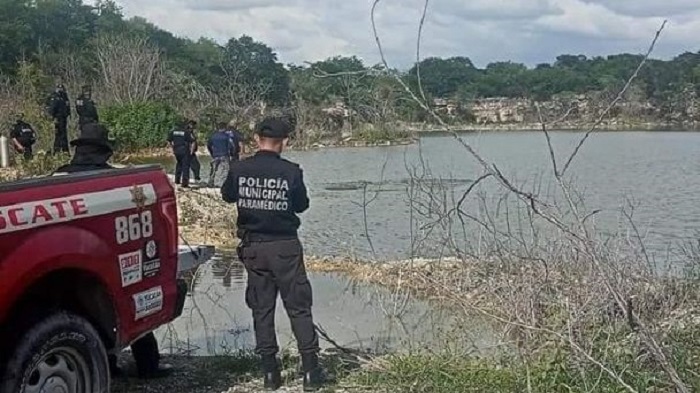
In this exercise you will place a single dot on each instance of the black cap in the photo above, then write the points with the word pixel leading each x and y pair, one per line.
pixel 274 127
pixel 93 134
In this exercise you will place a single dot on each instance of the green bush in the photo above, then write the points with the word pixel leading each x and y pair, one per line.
pixel 553 370
pixel 139 125
pixel 381 133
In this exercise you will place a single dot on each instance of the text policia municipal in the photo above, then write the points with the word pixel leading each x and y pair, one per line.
pixel 263 194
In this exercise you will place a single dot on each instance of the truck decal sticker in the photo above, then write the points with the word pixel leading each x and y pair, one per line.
pixel 28 215
pixel 130 266
pixel 151 268
pixel 134 227
pixel 151 249
pixel 148 302
pixel 151 264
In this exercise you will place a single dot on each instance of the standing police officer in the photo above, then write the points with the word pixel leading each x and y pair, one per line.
pixel 195 165
pixel 86 108
pixel 269 192
pixel 59 110
pixel 181 141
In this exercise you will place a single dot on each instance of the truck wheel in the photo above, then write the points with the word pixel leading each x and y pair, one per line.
pixel 62 353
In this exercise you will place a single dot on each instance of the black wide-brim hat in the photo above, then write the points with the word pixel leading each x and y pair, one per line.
pixel 93 134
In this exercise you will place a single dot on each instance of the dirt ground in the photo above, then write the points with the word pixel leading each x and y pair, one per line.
pixel 227 374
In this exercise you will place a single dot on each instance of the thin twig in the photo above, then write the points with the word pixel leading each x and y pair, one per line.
pixel 617 99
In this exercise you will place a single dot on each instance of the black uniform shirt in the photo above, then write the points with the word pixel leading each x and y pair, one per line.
pixel 269 191
pixel 24 133
pixel 87 111
pixel 181 140
pixel 59 106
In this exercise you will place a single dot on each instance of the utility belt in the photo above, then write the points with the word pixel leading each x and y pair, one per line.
pixel 180 149
pixel 249 237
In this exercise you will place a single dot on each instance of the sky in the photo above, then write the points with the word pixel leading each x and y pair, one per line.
pixel 527 31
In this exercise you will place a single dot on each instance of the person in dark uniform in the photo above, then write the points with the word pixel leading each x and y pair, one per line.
pixel 269 192
pixel 221 148
pixel 86 108
pixel 195 165
pixel 59 110
pixel 23 137
pixel 237 140
pixel 92 152
pixel 182 141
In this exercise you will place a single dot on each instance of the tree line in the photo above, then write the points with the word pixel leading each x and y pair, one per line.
pixel 140 71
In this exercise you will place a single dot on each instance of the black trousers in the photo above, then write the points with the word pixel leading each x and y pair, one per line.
pixel 28 152
pixel 273 268
pixel 196 167
pixel 60 143
pixel 145 352
pixel 182 168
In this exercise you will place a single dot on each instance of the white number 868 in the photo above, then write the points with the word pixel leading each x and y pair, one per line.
pixel 134 227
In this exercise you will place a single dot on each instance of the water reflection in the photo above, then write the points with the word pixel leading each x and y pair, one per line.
pixel 227 268
pixel 217 321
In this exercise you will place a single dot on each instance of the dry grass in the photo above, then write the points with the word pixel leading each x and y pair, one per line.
pixel 529 295
pixel 206 219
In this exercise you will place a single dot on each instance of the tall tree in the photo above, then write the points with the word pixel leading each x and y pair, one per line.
pixel 254 66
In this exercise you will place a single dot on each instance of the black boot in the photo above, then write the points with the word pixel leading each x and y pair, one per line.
pixel 147 357
pixel 314 380
pixel 314 377
pixel 273 380
pixel 272 374
pixel 114 369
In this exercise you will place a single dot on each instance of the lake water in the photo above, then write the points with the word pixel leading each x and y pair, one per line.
pixel 658 172
pixel 217 321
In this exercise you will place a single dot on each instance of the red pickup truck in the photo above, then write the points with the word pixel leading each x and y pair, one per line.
pixel 89 263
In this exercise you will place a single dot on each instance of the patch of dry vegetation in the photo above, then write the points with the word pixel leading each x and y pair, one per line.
pixel 206 219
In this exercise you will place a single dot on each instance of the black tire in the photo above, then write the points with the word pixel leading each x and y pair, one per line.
pixel 62 352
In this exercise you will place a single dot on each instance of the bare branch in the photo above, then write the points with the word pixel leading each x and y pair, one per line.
pixel 617 99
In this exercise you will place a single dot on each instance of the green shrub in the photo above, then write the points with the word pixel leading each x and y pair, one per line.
pixel 553 370
pixel 139 125
pixel 381 133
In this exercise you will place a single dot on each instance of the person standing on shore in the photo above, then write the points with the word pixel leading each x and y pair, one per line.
pixel 269 192
pixel 86 108
pixel 222 150
pixel 237 140
pixel 195 165
pixel 182 141
pixel 59 110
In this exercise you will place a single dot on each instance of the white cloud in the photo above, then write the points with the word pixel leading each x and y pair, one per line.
pixel 529 31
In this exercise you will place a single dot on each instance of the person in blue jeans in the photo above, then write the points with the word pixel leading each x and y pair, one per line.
pixel 222 150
